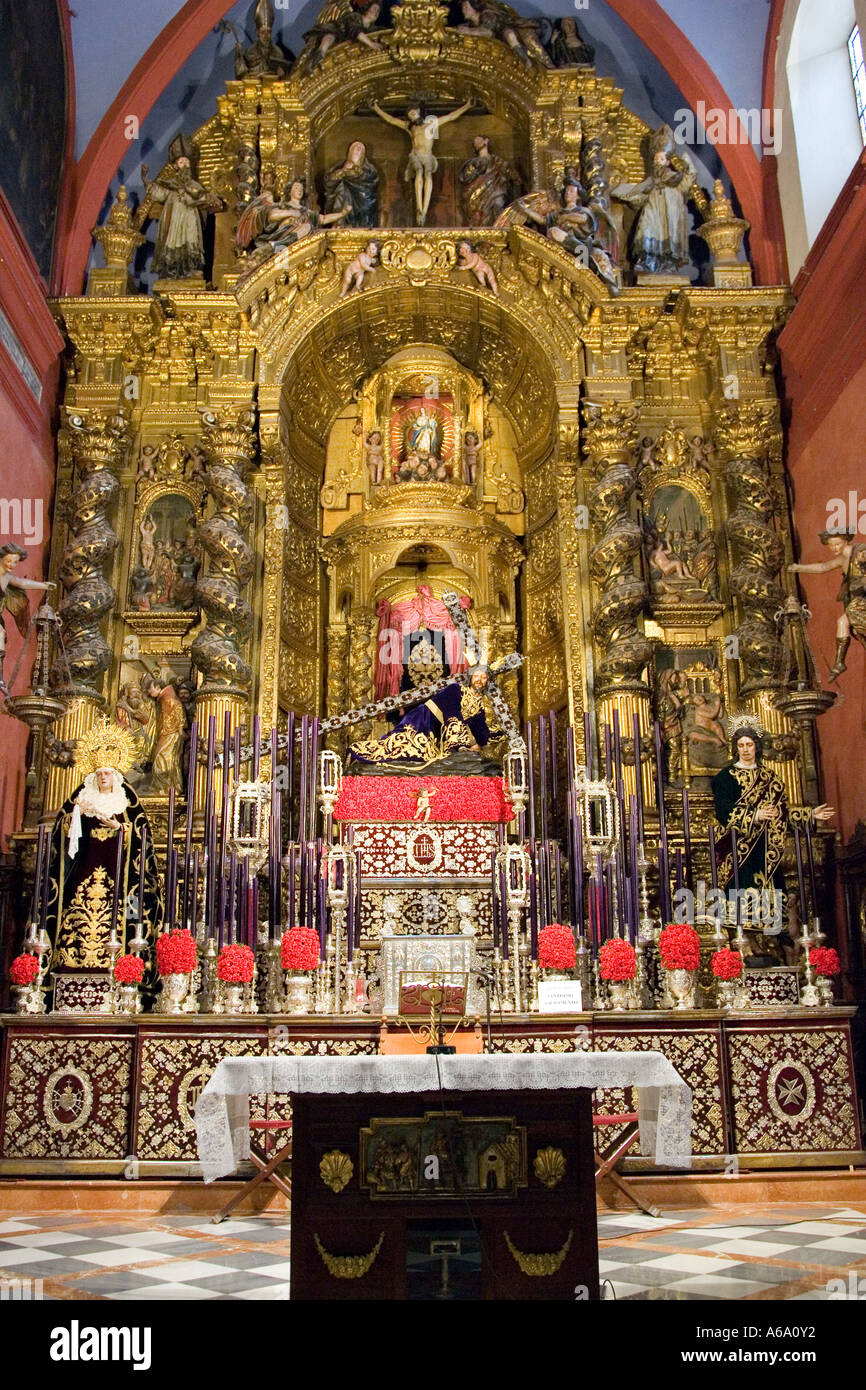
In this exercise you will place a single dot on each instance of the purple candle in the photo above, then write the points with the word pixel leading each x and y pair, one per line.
pixel 494 897
pixel 714 868
pixel 305 756
pixel 257 736
pixel 736 865
pixel 557 878
pixel 587 740
pixel 638 782
pixel 290 774
pixel 533 914
pixel 530 772
pixel 232 896
pixel 679 870
pixel 687 839
pixel 503 915
pixel 810 859
pixel 801 883
pixel 314 774
pixel 358 898
pixel 254 913
pixel 224 808
pixel 578 874
pixel 554 778
pixel 608 754
pixel 190 804
pixel 291 854
pixel 542 772
pixel 169 839
pixel 193 908
pixel 221 912
pixel 617 753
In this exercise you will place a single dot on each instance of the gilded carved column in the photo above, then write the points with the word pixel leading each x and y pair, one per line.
pixel 218 650
pixel 362 628
pixel 97 441
pixel 744 433
pixel 337 682
pixel 623 650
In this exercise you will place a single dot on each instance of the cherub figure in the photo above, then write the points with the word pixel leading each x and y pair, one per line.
pixel 353 276
pixel 423 807
pixel 646 456
pixel 697 452
pixel 470 260
pixel 147 463
pixel 375 458
pixel 471 457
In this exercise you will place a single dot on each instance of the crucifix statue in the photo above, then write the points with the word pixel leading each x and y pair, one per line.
pixel 422 164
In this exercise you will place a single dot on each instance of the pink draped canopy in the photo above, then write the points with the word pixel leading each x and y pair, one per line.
pixel 397 621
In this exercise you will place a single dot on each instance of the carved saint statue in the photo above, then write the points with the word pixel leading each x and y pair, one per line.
pixel 849 556
pixel 423 131
pixel 264 58
pixel 499 21
pixel 570 220
pixel 566 46
pixel 339 21
pixel 84 856
pixel 170 727
pixel 13 597
pixel 184 204
pixel 751 799
pixel 660 238
pixel 488 184
pixel 274 226
pixel 354 183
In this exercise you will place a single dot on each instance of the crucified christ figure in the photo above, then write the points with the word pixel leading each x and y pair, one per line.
pixel 423 131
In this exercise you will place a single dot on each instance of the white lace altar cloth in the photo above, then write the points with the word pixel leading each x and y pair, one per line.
pixel 222 1115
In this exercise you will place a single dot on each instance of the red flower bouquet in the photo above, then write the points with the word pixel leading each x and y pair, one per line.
pixel 727 964
pixel 679 947
pixel 176 953
pixel 236 964
pixel 556 948
pixel 24 970
pixel 823 960
pixel 300 949
pixel 617 961
pixel 129 970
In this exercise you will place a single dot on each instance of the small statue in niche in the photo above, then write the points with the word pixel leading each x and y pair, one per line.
pixel 274 226
pixel 471 458
pixel 264 58
pixel 147 528
pixel 374 454
pixel 660 239
pixel 496 20
pixel 184 204
pixel 567 47
pixel 423 131
pixel 356 270
pixel 354 184
pixel 646 453
pixel 488 184
pixel 339 21
pixel 671 712
pixel 849 556
pixel 170 726
pixel 473 261
pixel 698 453
pixel 197 464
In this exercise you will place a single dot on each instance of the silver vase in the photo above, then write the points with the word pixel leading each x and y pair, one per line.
pixel 128 999
pixel 825 991
pixel 681 987
pixel 29 999
pixel 298 992
pixel 620 994
pixel 173 993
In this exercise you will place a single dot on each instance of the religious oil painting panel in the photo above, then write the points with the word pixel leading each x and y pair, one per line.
pixel 443 1153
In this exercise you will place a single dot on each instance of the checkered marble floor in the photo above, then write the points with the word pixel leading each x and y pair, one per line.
pixel 779 1252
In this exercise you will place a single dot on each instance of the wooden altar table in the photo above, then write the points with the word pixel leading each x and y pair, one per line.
pixel 456 1176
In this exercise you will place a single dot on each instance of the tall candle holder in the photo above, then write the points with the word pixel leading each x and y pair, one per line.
pixel 341 866
pixel 330 781
pixel 516 783
pixel 36 943
pixel 207 976
pixel 514 864
pixel 646 926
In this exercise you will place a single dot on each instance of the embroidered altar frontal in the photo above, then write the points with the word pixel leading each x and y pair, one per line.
pixel 111 1096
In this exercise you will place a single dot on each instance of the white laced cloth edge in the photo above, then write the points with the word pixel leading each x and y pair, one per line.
pixel 222 1115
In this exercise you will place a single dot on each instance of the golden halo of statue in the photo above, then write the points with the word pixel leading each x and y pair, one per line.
pixel 104 745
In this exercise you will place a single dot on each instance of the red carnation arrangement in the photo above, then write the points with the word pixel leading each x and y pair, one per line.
pixel 129 970
pixel 679 947
pixel 617 960
pixel 727 964
pixel 556 947
pixel 824 960
pixel 24 969
pixel 236 964
pixel 176 953
pixel 300 949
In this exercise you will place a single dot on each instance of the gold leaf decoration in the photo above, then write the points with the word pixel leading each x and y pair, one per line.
pixel 336 1169
pixel 539 1266
pixel 549 1166
pixel 348 1266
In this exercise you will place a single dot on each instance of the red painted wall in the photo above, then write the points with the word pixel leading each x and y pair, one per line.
pixel 27 468
pixel 823 356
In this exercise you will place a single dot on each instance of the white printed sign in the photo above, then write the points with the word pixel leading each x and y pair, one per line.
pixel 560 997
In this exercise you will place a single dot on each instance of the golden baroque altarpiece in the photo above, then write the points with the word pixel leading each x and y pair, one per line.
pixel 243 480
